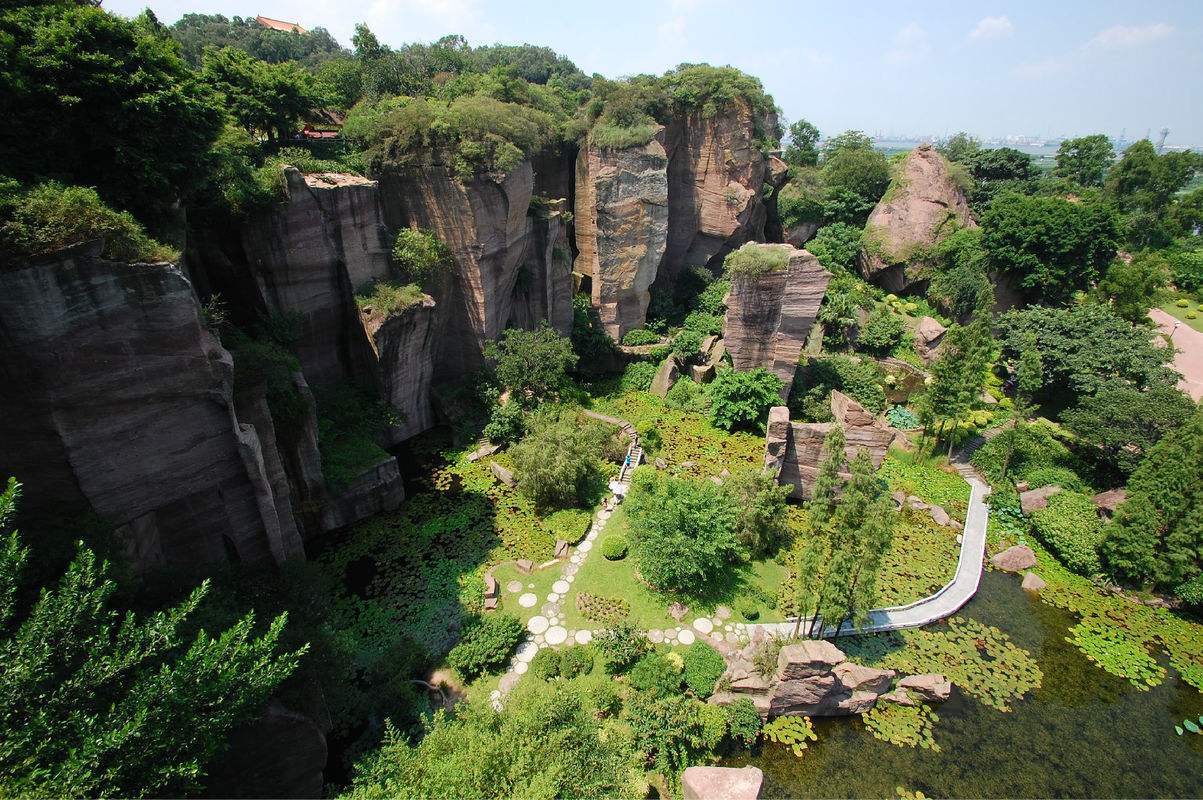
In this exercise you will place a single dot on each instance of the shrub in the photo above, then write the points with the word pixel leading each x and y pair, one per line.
pixel 349 422
pixel 546 664
pixel 576 660
pixel 387 297
pixel 743 721
pixel 1183 303
pixel 704 323
pixel 655 675
pixel 640 336
pixel 614 547
pixel 506 424
pixel 1048 474
pixel 1032 447
pixel 860 379
pixel 746 607
pixel 882 331
pixel 1187 269
pixel 836 246
pixel 703 667
pixel 637 377
pixel 51 216
pixel 686 345
pixel 569 524
pixel 1191 592
pixel 620 646
pixel 902 418
pixel 486 645
pixel 421 255
pixel 742 399
pixel 1191 315
pixel 1070 527
pixel 608 136
pixel 558 460
pixel 754 260
pixel 685 395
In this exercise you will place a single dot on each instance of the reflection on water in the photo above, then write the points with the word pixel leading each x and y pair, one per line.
pixel 1084 733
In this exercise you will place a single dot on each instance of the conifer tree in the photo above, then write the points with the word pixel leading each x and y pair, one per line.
pixel 817 553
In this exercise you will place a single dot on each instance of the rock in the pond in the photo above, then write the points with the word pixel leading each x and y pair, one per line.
pixel 502 474
pixel 898 696
pixel 721 783
pixel 806 659
pixel 932 687
pixel 859 678
pixel 486 449
pixel 666 376
pixel 1033 582
pixel 1015 559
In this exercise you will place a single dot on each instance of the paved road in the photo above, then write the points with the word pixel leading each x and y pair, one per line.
pixel 1189 358
pixel 949 599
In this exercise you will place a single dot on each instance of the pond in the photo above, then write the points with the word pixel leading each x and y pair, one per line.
pixel 1084 733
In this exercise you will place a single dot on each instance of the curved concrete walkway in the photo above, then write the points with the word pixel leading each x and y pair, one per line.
pixel 1188 358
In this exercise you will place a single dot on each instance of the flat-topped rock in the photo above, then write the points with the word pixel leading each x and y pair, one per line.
pixel 1016 558
pixel 502 474
pixel 1032 582
pixel 860 678
pixel 1036 499
pixel 930 686
pixel 721 783
pixel 807 658
pixel 666 376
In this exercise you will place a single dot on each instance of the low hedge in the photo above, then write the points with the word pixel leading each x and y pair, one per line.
pixel 1070 527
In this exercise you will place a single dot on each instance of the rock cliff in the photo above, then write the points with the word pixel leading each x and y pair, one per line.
pixel 543 290
pixel 404 344
pixel 769 316
pixel 622 218
pixel 923 205
pixel 116 398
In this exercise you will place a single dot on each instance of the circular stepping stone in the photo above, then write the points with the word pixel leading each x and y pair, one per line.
pixel 728 628
pixel 554 621
pixel 592 535
pixel 718 637
pixel 686 637
pixel 656 636
pixel 513 587
pixel 526 652
pixel 528 600
pixel 670 635
pixel 722 612
pixel 556 635
pixel 539 640
pixel 537 624
pixel 507 681
pixel 585 546
pixel 495 694
pixel 703 625
pixel 583 637
pixel 570 578
pixel 576 558
pixel 560 587
pixel 551 598
pixel 521 667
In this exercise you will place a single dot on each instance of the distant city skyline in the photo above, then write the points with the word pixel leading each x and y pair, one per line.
pixel 1062 69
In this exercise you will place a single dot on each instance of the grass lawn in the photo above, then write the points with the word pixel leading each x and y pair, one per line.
pixel 649 609
pixel 1170 306
pixel 538 582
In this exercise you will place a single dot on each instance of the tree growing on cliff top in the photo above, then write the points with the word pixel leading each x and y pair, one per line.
pixel 802 150
pixel 99 704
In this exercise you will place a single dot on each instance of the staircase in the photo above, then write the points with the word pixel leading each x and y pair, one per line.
pixel 634 457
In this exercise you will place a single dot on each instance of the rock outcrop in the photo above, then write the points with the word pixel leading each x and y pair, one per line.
pixel 621 227
pixel 922 206
pixel 1016 558
pixel 378 488
pixel 404 344
pixel 721 783
pixel 117 399
pixel 793 450
pixel 543 291
pixel 1035 499
pixel 769 316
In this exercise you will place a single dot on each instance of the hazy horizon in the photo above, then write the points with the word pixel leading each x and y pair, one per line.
pixel 1007 69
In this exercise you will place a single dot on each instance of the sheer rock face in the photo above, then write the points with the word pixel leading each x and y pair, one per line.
pixel 622 217
pixel 769 316
pixel 309 256
pixel 116 398
pixel 716 175
pixel 404 343
pixel 924 205
pixel 484 223
pixel 793 450
pixel 543 292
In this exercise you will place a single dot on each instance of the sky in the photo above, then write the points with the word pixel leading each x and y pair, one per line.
pixel 928 67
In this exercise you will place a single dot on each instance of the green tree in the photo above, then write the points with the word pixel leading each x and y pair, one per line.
pixel 882 331
pixel 99 703
pixel 999 170
pixel 1052 247
pixel 960 148
pixel 265 98
pixel 742 399
pixel 683 530
pixel 1085 160
pixel 1132 285
pixel 534 364
pixel 802 150
pixel 959 283
pixel 1156 538
pixel 420 255
pixel 958 374
pixel 760 504
pixel 558 460
pixel 1029 380
pixel 1119 424
pixel 836 246
pixel 862 171
pixel 806 590
pixel 195 32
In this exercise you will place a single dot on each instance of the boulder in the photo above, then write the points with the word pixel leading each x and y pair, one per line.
pixel 717 353
pixel 777 436
pixel 721 783
pixel 490 586
pixel 940 516
pixel 1015 559
pixel 898 696
pixel 931 687
pixel 678 611
pixel 921 207
pixel 666 376
pixel 769 316
pixel 502 474
pixel 929 332
pixel 1036 499
pixel 660 463
pixel 1107 502
pixel 701 373
pixel 486 449
pixel 807 658
pixel 524 565
pixel 377 489
pixel 1032 582
pixel 804 695
pixel 561 549
pixel 855 677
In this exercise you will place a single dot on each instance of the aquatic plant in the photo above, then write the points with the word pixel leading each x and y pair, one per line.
pixel 1116 652
pixel 905 726
pixel 793 732
pixel 1190 725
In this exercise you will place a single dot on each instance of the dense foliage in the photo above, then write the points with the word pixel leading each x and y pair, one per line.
pixel 559 460
pixel 1070 527
pixel 742 399
pixel 534 364
pixel 485 645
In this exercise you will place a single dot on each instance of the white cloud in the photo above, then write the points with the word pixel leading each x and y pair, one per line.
pixel 910 44
pixel 991 28
pixel 397 21
pixel 1130 35
pixel 671 32
pixel 1043 68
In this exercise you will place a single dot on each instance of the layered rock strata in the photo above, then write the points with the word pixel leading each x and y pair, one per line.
pixel 117 399
pixel 769 316
pixel 404 344
pixel 923 205
pixel 793 450
pixel 543 290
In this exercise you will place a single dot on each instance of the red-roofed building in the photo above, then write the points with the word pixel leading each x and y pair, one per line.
pixel 280 25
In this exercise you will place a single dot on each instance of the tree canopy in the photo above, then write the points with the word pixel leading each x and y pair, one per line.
pixel 1085 160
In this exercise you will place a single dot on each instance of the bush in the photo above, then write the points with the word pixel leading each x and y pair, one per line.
pixel 576 660
pixel 1191 592
pixel 1048 474
pixel 606 610
pixel 614 547
pixel 703 667
pixel 387 297
pixel 620 646
pixel 836 246
pixel 686 345
pixel 1187 269
pixel 1034 446
pixel 558 460
pixel 746 608
pixel 860 379
pixel 654 674
pixel 1183 303
pixel 421 255
pixel 546 664
pixel 902 418
pixel 51 216
pixel 754 260
pixel 486 645
pixel 506 425
pixel 1070 527
pixel 685 395
pixel 743 721
pixel 637 377
pixel 569 524
pixel 882 331
pixel 640 336
pixel 704 323
pixel 743 399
